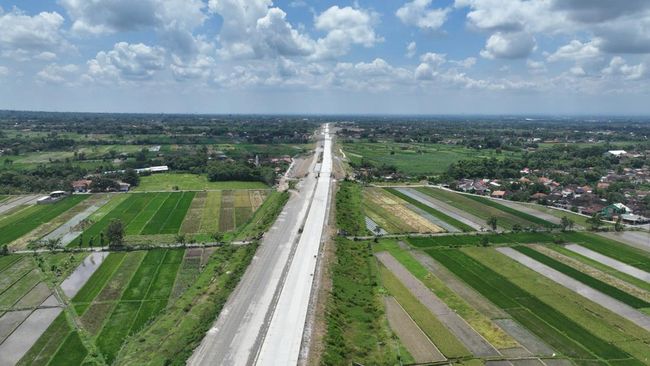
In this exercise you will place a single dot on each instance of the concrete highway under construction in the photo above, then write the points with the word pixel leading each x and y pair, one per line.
pixel 264 321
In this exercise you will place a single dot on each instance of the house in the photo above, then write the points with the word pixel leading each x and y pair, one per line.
pixel 82 185
pixel 153 169
pixel 51 198
pixel 124 187
pixel 498 194
pixel 633 219
pixel 538 196
pixel 617 153
pixel 615 209
pixel 592 209
pixel 602 185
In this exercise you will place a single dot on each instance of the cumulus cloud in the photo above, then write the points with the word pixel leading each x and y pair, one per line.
pixel 508 45
pixel 4 71
pixel 345 27
pixel 126 62
pixel 592 11
pixel 23 36
pixel 58 74
pixel 418 13
pixel 109 16
pixel 575 50
pixel 618 66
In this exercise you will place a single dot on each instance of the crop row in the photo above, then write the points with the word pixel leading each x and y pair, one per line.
pixel 612 249
pixel 475 240
pixel 168 219
pixel 24 221
pixel 559 331
pixel 448 219
pixel 594 283
pixel 512 211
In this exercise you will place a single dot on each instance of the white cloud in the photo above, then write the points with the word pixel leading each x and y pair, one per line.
pixel 508 45
pixel 466 63
pixel 411 49
pixel 4 71
pixel 536 67
pixel 58 74
pixel 418 13
pixel 618 66
pixel 574 51
pixel 345 27
pixel 101 16
pixel 22 36
pixel 127 61
pixel 577 71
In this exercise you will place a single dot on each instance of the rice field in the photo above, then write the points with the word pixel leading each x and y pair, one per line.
pixel 392 214
pixel 126 292
pixel 194 182
pixel 25 220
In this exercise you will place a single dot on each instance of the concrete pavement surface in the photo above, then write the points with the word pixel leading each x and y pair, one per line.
pixel 237 336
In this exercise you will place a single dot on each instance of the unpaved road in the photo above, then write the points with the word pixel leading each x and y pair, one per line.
pixel 473 341
pixel 610 262
pixel 462 216
pixel 17 201
pixel 598 297
pixel 411 336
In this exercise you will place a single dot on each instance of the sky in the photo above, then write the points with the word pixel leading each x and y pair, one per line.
pixel 327 57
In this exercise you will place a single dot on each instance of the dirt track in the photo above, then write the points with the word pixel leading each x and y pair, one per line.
pixel 411 336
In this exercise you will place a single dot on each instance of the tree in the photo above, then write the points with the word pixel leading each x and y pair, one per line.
pixel 492 222
pixel 619 225
pixel 4 250
pixel 485 241
pixel 595 221
pixel 104 184
pixel 101 239
pixel 115 233
pixel 566 223
pixel 131 177
pixel 180 238
pixel 217 236
pixel 516 228
pixel 81 240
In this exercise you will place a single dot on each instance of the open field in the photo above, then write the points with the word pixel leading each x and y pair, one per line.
pixel 189 182
pixel 458 225
pixel 558 329
pixel 517 213
pixel 392 215
pixel 22 222
pixel 505 218
pixel 414 158
pixel 610 248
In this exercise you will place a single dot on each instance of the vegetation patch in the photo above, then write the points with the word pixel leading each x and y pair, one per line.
pixel 72 352
pixel 97 281
pixel 512 211
pixel 558 330
pixel 357 330
pixel 349 209
pixel 482 239
pixel 586 279
pixel 393 216
pixel 24 221
pixel 48 343
pixel 448 219
pixel 190 182
pixel 611 248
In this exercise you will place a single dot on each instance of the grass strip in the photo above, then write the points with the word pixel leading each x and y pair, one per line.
pixel 446 342
pixel 594 283
pixel 448 219
pixel 454 241
pixel 96 282
pixel 349 209
pixel 559 331
pixel 72 352
pixel 611 248
pixel 512 211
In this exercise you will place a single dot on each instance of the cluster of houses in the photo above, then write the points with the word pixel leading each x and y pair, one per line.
pixel 582 199
pixel 85 185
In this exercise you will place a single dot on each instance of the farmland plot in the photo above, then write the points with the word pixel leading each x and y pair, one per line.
pixel 393 216
pixel 211 213
pixel 30 218
pixel 192 222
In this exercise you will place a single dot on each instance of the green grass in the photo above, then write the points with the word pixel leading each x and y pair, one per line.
pixel 592 282
pixel 475 240
pixel 415 158
pixel 72 352
pixel 169 217
pixel 211 212
pixel 483 211
pixel 191 182
pixel 140 221
pixel 191 315
pixel 450 220
pixel 24 221
pixel 48 343
pixel 97 281
pixel 349 209
pixel 512 211
pixel 559 331
pixel 264 217
pixel 611 248
pixel 356 326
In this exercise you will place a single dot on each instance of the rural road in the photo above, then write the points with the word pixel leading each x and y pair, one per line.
pixel 249 330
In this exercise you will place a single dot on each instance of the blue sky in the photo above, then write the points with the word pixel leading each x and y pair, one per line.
pixel 293 56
